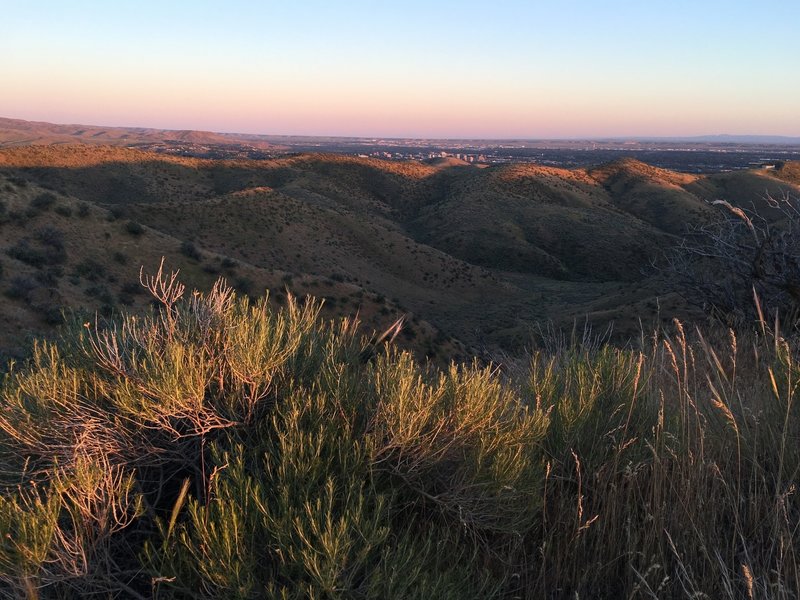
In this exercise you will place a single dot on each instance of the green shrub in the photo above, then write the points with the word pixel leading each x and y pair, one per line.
pixel 50 314
pixel 216 447
pixel 20 287
pixel 24 252
pixel 115 212
pixel 90 269
pixel 131 289
pixel 100 292
pixel 228 263
pixel 134 228
pixel 43 201
pixel 63 210
pixel 189 250
pixel 50 236
pixel 308 470
pixel 243 285
pixel 50 252
pixel 50 275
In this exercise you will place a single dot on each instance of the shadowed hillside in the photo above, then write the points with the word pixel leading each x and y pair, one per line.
pixel 655 196
pixel 16 132
pixel 478 255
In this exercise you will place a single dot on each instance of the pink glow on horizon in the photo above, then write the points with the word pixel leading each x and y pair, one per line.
pixel 519 69
pixel 424 108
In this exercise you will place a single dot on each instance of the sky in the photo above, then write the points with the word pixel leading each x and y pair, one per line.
pixel 456 69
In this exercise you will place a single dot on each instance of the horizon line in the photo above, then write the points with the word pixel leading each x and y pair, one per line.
pixel 596 138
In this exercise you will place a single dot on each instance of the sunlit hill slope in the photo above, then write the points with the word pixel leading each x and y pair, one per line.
pixel 474 257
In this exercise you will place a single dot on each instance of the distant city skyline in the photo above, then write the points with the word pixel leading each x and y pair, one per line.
pixel 504 70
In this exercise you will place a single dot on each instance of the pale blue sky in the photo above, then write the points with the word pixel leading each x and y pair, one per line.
pixel 413 68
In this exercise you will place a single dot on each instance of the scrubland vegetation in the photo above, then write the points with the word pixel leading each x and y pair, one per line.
pixel 221 448
pixel 217 445
pixel 476 256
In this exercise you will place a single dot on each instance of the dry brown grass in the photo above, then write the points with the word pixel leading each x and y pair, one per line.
pixel 482 254
pixel 218 448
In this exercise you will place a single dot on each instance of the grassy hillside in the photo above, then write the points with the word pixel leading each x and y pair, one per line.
pixel 788 171
pixel 218 448
pixel 539 221
pixel 655 196
pixel 221 443
pixel 60 252
pixel 16 132
pixel 474 257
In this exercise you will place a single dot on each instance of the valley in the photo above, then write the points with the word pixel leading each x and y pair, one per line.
pixel 479 260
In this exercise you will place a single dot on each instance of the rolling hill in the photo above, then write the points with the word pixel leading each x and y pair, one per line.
pixel 17 132
pixel 476 257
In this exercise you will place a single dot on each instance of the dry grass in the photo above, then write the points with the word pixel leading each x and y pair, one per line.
pixel 221 448
pixel 478 254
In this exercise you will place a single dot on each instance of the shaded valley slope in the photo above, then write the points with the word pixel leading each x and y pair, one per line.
pixel 477 258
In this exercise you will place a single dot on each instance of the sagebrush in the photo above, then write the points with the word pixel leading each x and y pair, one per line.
pixel 220 448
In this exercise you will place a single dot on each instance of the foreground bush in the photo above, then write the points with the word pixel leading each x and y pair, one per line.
pixel 221 449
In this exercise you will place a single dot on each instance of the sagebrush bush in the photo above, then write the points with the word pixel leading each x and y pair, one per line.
pixel 43 201
pixel 220 448
pixel 50 236
pixel 189 250
pixel 134 228
pixel 20 287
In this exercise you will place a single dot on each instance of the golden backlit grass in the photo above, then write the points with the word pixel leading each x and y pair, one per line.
pixel 222 448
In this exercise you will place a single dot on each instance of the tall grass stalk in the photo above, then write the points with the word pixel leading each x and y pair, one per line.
pixel 220 448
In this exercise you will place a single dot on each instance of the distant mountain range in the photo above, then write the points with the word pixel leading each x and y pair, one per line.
pixel 724 138
pixel 15 132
